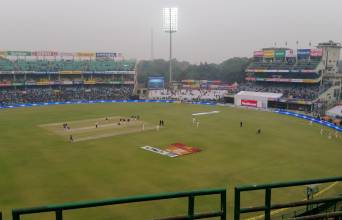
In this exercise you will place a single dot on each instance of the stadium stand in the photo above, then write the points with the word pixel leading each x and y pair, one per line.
pixel 304 77
pixel 66 65
pixel 29 79
pixel 36 95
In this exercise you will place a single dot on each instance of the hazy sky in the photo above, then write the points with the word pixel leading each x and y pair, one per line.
pixel 209 30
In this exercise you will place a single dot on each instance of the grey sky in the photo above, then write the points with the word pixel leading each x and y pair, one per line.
pixel 209 30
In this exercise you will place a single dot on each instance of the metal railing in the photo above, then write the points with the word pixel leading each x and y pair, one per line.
pixel 268 206
pixel 58 209
pixel 319 216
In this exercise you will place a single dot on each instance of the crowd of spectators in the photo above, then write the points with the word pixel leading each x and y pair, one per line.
pixel 285 65
pixel 37 95
pixel 188 94
pixel 290 91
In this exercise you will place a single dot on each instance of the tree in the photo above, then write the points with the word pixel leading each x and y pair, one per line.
pixel 231 70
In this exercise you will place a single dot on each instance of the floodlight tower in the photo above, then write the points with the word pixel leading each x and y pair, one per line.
pixel 170 17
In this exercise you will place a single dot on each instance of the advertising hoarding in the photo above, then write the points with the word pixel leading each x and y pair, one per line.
pixel 318 52
pixel 44 53
pixel 258 53
pixel 249 103
pixel 303 53
pixel 268 53
pixel 106 55
pixel 18 53
pixel 290 53
pixel 85 54
pixel 280 53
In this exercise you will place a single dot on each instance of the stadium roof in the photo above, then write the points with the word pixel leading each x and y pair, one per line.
pixel 268 95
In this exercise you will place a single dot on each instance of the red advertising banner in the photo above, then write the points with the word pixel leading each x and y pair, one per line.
pixel 316 52
pixel 250 103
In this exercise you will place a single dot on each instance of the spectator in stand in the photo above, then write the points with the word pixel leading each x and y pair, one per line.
pixel 35 95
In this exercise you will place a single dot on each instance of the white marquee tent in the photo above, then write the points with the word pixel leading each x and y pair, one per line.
pixel 255 99
pixel 335 112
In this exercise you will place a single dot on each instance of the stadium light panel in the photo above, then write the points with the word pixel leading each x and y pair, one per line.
pixel 170 19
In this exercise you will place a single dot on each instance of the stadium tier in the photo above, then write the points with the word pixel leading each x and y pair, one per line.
pixel 302 76
pixel 282 65
pixel 79 93
pixel 83 76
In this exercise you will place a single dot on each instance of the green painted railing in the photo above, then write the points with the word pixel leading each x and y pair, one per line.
pixel 58 209
pixel 268 206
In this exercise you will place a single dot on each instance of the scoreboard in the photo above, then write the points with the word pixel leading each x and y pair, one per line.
pixel 156 82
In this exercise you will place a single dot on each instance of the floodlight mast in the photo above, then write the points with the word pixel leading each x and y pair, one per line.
pixel 170 26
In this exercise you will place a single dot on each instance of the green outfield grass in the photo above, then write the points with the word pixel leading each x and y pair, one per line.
pixel 39 167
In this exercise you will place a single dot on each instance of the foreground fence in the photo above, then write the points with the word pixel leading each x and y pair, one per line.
pixel 191 195
pixel 58 209
pixel 268 206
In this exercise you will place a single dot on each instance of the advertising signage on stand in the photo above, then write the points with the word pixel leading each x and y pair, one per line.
pixel 66 54
pixel 290 53
pixel 45 53
pixel 85 54
pixel 316 52
pixel 258 53
pixel 111 55
pixel 268 53
pixel 303 53
pixel 280 53
pixel 249 103
pixel 106 55
pixel 18 53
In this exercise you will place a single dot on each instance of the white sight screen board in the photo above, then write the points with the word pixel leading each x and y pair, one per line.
pixel 170 16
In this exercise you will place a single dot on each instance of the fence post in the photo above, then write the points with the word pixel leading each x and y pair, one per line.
pixel 191 209
pixel 237 204
pixel 224 205
pixel 268 204
pixel 0 216
pixel 15 216
pixel 59 214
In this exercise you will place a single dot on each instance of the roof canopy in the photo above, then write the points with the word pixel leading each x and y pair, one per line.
pixel 268 95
